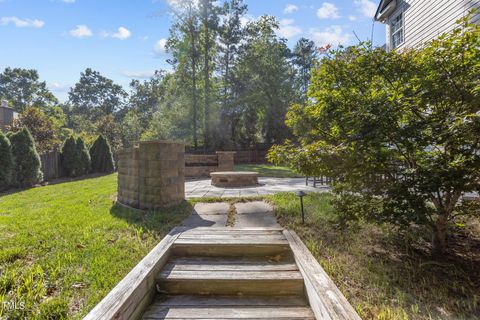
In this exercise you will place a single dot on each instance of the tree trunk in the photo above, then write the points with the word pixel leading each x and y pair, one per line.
pixel 439 237
pixel 194 84
pixel 207 81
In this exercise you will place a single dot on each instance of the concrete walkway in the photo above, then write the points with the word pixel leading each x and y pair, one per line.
pixel 256 214
pixel 203 188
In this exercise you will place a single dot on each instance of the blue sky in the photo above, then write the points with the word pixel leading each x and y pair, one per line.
pixel 123 39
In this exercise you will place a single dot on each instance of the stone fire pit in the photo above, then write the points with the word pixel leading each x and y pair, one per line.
pixel 232 179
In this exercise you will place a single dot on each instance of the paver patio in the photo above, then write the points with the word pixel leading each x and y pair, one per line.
pixel 202 188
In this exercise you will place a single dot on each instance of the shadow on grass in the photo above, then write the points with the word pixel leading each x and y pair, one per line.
pixel 160 221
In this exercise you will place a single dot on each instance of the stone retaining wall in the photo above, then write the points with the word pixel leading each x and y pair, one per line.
pixel 202 165
pixel 152 175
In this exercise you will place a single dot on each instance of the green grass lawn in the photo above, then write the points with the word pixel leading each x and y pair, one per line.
pixel 267 170
pixel 65 246
pixel 385 275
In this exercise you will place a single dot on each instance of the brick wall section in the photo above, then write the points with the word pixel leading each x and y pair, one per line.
pixel 152 175
pixel 226 161
pixel 202 165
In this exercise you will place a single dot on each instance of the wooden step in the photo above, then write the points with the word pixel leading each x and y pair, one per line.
pixel 232 242
pixel 278 263
pixel 256 279
pixel 228 307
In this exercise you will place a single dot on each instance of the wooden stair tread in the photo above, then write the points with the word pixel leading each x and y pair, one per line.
pixel 269 264
pixel 229 307
pixel 259 231
pixel 230 301
pixel 217 275
pixel 231 239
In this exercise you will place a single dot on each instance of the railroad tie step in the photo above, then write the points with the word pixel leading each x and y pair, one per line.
pixel 223 243
pixel 229 307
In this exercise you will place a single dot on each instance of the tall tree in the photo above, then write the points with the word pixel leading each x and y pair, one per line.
pixel 183 44
pixel 95 95
pixel 146 96
pixel 266 78
pixel 209 12
pixel 22 88
pixel 304 56
pixel 231 33
pixel 45 130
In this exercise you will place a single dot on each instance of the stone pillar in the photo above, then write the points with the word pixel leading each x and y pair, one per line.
pixel 128 176
pixel 152 175
pixel 226 160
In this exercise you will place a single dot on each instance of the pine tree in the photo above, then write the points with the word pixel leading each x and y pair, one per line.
pixel 101 156
pixel 70 158
pixel 83 157
pixel 6 162
pixel 27 169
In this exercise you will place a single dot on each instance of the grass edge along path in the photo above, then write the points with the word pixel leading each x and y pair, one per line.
pixel 269 171
pixel 65 246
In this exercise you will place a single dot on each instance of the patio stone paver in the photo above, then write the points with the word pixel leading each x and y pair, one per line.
pixel 257 214
pixel 212 208
pixel 208 215
pixel 203 188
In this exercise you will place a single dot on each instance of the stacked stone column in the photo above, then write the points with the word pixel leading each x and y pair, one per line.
pixel 226 160
pixel 152 175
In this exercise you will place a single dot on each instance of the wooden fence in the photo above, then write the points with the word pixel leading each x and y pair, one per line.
pixel 51 165
pixel 253 156
pixel 242 156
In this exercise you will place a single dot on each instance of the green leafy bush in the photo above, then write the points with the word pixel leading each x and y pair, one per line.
pixel 6 162
pixel 101 156
pixel 83 157
pixel 27 168
pixel 397 131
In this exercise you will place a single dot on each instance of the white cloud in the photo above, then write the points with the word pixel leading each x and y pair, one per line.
pixel 159 47
pixel 122 34
pixel 290 8
pixel 139 74
pixel 352 18
pixel 366 7
pixel 177 3
pixel 22 23
pixel 58 87
pixel 288 29
pixel 81 31
pixel 328 11
pixel 246 19
pixel 68 1
pixel 333 35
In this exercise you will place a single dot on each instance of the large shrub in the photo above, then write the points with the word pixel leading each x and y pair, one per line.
pixel 6 162
pixel 70 159
pixel 83 157
pixel 398 131
pixel 101 156
pixel 27 168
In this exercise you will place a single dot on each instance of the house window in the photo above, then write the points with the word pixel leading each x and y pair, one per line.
pixel 397 31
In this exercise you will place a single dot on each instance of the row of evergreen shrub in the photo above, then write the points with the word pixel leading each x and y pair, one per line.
pixel 20 164
pixel 77 161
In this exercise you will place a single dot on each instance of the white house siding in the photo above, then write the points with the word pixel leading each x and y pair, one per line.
pixel 425 20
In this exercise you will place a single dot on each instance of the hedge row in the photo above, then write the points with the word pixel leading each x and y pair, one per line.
pixel 77 161
pixel 20 164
